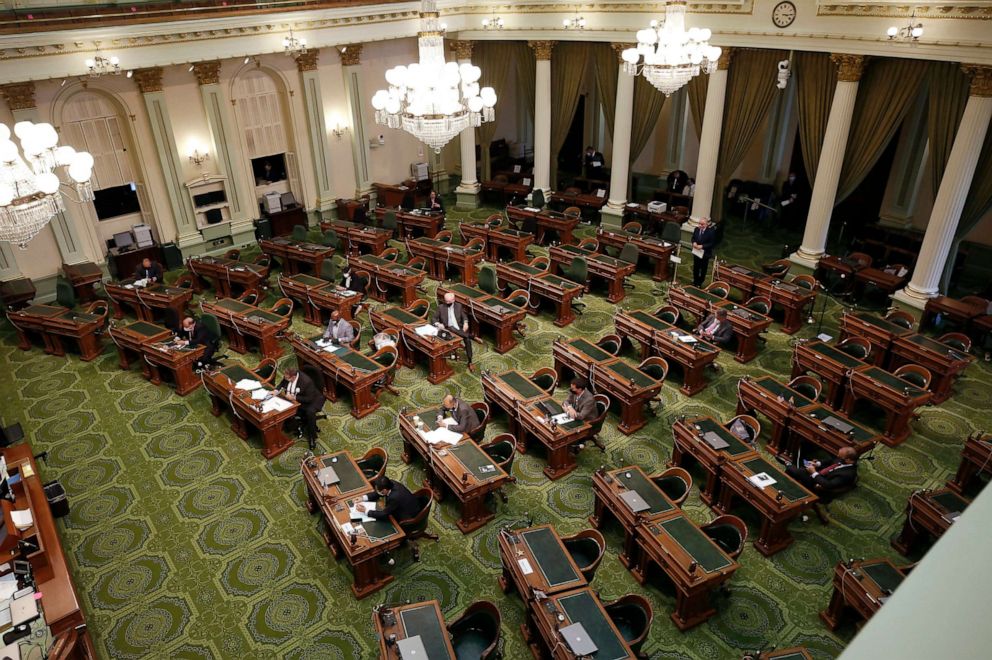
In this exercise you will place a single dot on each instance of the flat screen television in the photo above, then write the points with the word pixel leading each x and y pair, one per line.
pixel 116 201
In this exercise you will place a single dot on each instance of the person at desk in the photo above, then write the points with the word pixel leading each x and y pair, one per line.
pixel 593 161
pixel 399 501
pixel 196 333
pixel 338 330
pixel 434 203
pixel 703 240
pixel 148 270
pixel 716 328
pixel 677 181
pixel 834 477
pixel 789 199
pixel 462 416
pixel 352 281
pixel 450 316
pixel 299 387
pixel 580 403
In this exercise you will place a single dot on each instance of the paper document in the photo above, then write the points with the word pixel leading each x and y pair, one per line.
pixel 359 515
pixel 22 518
pixel 531 209
pixel 687 339
pixel 561 418
pixel 259 394
pixel 248 384
pixel 426 330
pixel 449 421
pixel 525 566
pixel 697 252
pixel 441 435
pixel 761 480
pixel 276 404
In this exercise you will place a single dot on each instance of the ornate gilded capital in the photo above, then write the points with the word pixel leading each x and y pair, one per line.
pixel 462 48
pixel 726 55
pixel 350 55
pixel 19 96
pixel 850 68
pixel 307 61
pixel 542 49
pixel 207 73
pixel 148 80
pixel 619 48
pixel 981 79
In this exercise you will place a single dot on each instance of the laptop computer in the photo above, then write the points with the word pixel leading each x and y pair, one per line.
pixel 715 441
pixel 837 424
pixel 412 648
pixel 633 499
pixel 327 477
pixel 578 640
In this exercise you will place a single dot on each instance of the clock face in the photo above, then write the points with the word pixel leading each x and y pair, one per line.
pixel 783 14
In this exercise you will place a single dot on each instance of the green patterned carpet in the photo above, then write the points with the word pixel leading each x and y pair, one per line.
pixel 186 543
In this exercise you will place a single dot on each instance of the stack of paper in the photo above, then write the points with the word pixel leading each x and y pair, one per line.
pixel 275 404
pixel 426 330
pixel 441 435
pixel 22 518
pixel 761 480
pixel 561 418
pixel 247 384
pixel 359 515
pixel 259 394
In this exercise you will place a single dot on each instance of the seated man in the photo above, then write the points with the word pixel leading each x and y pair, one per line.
pixel 462 415
pixel 716 328
pixel 435 203
pixel 353 282
pixel 399 501
pixel 338 330
pixel 580 404
pixel 148 270
pixel 196 333
pixel 450 315
pixel 299 387
pixel 833 478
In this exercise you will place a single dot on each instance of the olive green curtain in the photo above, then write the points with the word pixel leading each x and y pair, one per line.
pixel 494 58
pixel 976 205
pixel 523 55
pixel 648 103
pixel 885 93
pixel 750 92
pixel 606 69
pixel 697 100
pixel 815 80
pixel 568 68
pixel 948 96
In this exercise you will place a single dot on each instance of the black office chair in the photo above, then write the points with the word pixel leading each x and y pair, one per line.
pixel 330 239
pixel 475 635
pixel 10 434
pixel 416 527
pixel 632 615
pixel 586 549
pixel 537 199
pixel 578 272
pixel 373 463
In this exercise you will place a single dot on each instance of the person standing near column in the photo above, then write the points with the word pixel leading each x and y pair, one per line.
pixel 703 242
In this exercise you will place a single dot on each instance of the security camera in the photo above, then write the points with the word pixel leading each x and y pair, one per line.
pixel 783 65
pixel 784 73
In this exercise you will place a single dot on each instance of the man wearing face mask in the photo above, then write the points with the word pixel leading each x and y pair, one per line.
pixel 789 201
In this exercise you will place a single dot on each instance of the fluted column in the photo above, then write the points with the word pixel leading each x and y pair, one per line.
pixel 351 70
pixel 313 104
pixel 467 192
pixel 620 162
pixel 709 140
pixel 821 203
pixel 953 192
pixel 542 114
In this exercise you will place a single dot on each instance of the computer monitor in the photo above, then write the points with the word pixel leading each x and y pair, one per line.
pixel 123 240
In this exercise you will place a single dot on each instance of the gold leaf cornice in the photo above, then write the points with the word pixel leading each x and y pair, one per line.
pixel 307 61
pixel 351 55
pixel 207 73
pixel 148 80
pixel 850 68
pixel 19 96
pixel 462 48
pixel 981 79
pixel 542 49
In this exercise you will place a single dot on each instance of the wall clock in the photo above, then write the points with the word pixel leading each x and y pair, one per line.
pixel 783 14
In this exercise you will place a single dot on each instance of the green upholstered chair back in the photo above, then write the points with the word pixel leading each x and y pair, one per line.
pixel 578 272
pixel 299 233
pixel 64 293
pixel 212 324
pixel 487 279
pixel 328 270
pixel 537 199
pixel 630 253
pixel 671 232
pixel 330 239
pixel 389 220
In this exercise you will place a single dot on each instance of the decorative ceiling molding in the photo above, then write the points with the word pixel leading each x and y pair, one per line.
pixel 882 10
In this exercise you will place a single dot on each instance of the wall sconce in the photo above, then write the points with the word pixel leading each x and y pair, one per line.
pixel 338 129
pixel 197 158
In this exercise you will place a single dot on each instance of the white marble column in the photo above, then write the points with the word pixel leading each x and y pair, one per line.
pixel 351 70
pixel 542 115
pixel 467 192
pixel 709 141
pixel 953 192
pixel 620 162
pixel 821 204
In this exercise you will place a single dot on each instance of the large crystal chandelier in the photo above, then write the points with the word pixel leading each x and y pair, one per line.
pixel 433 100
pixel 30 185
pixel 668 55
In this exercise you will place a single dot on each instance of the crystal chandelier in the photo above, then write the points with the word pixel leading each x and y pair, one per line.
pixel 433 100
pixel 668 55
pixel 911 32
pixel 99 65
pixel 30 185
pixel 494 23
pixel 293 46
pixel 577 23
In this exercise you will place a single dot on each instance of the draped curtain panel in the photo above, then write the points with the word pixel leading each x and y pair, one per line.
pixel 816 80
pixel 648 103
pixel 697 100
pixel 494 58
pixel 886 90
pixel 523 55
pixel 948 96
pixel 568 67
pixel 750 92
pixel 976 205
pixel 606 67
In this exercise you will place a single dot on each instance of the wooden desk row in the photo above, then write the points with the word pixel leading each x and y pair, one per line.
pixel 386 275
pixel 657 250
pixel 344 367
pixel 296 256
pixel 152 347
pixel 148 300
pixel 976 460
pixel 862 587
pixel 640 213
pixel 441 256
pixel 412 223
pixel 485 309
pixel 792 298
pixel 747 324
pixel 542 285
pixel 54 324
pixel 609 269
pixel 513 241
pixel 247 412
pixel 544 221
pixel 929 513
pixel 434 350
pixel 241 321
pixel 356 238
pixel 318 297
pixel 229 276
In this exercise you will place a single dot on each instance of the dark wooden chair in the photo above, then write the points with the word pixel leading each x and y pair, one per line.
pixel 675 483
pixel 416 528
pixel 728 532
pixel 586 549
pixel 373 463
pixel 632 615
pixel 476 633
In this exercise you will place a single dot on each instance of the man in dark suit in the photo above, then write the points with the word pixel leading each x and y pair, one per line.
pixel 298 387
pixel 716 328
pixel 399 502
pixel 703 239
pixel 834 477
pixel 148 270
pixel 593 161
pixel 196 333
pixel 435 203
pixel 352 281
pixel 463 417
pixel 677 180
pixel 450 316
pixel 580 403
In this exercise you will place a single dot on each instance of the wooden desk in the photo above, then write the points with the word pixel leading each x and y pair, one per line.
pixel 583 606
pixel 386 274
pixel 82 277
pixel 229 276
pixel 52 324
pixel 144 301
pixel 944 362
pixel 543 285
pixel 957 311
pixel 296 257
pixel 613 271
pixel 689 443
pixel 463 469
pixel 630 387
pixel 355 237
pixel 589 204
pixel 656 221
pixel 318 298
pixel 483 308
pixel 808 423
pixel 928 513
pixel 776 401
pixel 841 268
pixel 423 620
pixel 535 559
pixel 123 264
pixel 435 350
pixel 283 221
pixel 976 459
pixel 504 391
pixel 655 249
pixel 246 411
pixel 387 194
pixel 505 192
pixel 177 361
pixel 343 366
pixel 348 208
pixel 887 282
pixel 546 220
pixel 791 298
pixel 878 331
pixel 512 240
pixel 440 256
pixel 131 340
pixel 861 586
pixel 241 320
pixel 410 223
pixel 17 293
pixel 363 550
pixel 829 363
pixel 660 338
pixel 897 397
pixel 747 324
